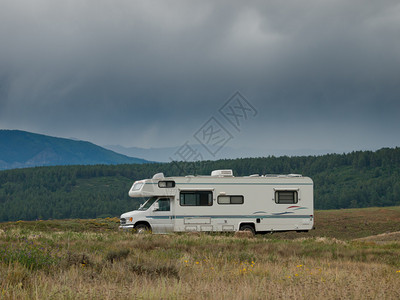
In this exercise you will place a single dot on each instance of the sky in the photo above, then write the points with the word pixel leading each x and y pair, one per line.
pixel 305 75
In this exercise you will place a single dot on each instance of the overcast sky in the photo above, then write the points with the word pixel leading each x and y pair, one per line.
pixel 314 74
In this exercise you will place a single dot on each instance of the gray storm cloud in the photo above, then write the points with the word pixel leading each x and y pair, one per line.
pixel 321 73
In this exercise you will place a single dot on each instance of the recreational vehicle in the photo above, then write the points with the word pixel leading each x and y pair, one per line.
pixel 222 202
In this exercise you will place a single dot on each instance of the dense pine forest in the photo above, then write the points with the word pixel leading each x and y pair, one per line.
pixel 357 179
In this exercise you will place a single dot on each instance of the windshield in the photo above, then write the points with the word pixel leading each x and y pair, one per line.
pixel 147 204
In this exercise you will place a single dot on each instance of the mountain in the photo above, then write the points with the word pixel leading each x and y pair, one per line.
pixel 21 149
pixel 154 154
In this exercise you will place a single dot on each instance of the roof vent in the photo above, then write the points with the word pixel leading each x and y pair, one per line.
pixel 158 176
pixel 222 173
pixel 295 175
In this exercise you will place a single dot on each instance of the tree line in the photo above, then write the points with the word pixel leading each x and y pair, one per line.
pixel 352 180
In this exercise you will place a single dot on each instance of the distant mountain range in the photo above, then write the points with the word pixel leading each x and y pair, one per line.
pixel 168 154
pixel 21 149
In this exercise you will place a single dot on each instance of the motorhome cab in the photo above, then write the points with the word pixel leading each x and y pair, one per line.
pixel 222 202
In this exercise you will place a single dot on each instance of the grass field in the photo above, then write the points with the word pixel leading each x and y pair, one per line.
pixel 352 254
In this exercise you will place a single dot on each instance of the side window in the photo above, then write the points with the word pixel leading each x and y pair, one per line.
pixel 137 186
pixel 163 204
pixel 230 199
pixel 196 198
pixel 166 184
pixel 286 197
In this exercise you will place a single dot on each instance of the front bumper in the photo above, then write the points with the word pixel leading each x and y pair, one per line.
pixel 126 227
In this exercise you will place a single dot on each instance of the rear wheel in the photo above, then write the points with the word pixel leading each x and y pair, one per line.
pixel 248 228
pixel 142 228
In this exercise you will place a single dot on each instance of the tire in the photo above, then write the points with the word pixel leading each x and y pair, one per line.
pixel 142 229
pixel 248 228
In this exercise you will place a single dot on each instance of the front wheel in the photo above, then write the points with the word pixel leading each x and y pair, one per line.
pixel 142 229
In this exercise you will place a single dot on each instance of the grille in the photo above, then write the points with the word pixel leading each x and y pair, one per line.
pixel 123 221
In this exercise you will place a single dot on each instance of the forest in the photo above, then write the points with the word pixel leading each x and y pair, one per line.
pixel 350 180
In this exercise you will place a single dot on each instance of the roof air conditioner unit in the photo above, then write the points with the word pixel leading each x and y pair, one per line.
pixel 222 173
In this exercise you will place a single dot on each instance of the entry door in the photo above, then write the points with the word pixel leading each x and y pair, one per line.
pixel 163 220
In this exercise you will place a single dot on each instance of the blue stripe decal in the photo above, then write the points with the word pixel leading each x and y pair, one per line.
pixel 237 183
pixel 283 213
pixel 278 216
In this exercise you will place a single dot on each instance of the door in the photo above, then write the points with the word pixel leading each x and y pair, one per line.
pixel 162 220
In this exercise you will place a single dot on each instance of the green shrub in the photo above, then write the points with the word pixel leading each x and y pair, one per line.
pixel 29 255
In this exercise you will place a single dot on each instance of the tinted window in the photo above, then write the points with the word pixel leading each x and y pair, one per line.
pixel 286 197
pixel 196 198
pixel 230 199
pixel 166 184
pixel 163 204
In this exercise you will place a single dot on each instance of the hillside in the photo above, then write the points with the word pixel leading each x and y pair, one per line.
pixel 21 149
pixel 353 180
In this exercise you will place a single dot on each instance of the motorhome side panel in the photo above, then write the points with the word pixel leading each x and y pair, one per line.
pixel 237 201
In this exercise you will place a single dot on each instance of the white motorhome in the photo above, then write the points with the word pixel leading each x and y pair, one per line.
pixel 222 202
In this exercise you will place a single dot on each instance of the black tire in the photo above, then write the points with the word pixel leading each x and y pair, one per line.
pixel 248 228
pixel 142 229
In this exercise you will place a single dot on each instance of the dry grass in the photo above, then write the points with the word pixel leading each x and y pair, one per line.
pixel 383 237
pixel 117 265
pixel 353 223
pixel 90 259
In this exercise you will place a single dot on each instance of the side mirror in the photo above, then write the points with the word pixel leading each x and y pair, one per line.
pixel 156 206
